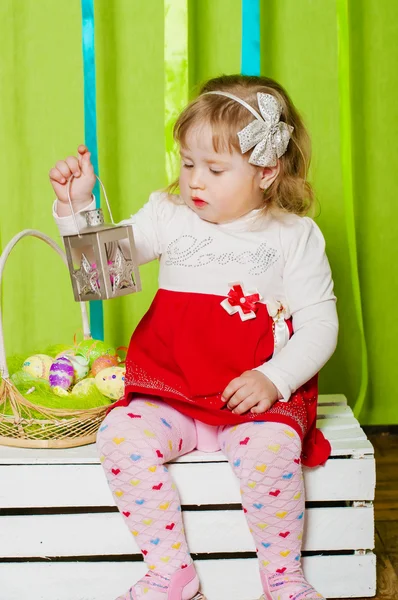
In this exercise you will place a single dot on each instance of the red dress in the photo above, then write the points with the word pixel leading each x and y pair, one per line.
pixel 187 348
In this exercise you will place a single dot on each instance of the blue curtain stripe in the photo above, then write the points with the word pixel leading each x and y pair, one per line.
pixel 90 133
pixel 250 62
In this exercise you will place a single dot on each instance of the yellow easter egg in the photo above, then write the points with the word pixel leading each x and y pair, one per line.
pixel 110 382
pixel 38 365
pixel 84 387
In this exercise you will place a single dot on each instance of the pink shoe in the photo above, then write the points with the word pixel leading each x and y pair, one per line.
pixel 302 588
pixel 182 585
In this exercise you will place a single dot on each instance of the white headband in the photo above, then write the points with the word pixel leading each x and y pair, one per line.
pixel 267 133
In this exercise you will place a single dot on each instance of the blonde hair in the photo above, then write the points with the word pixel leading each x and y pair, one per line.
pixel 290 191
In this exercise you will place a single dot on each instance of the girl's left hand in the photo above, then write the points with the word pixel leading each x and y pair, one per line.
pixel 252 390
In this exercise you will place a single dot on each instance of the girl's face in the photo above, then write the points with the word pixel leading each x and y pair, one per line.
pixel 218 186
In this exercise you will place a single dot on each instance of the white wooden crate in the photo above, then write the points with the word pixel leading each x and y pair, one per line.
pixel 61 537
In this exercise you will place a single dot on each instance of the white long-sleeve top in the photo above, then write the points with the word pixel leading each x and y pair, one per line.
pixel 282 256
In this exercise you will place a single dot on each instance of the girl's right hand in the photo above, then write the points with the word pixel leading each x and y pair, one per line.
pixel 84 178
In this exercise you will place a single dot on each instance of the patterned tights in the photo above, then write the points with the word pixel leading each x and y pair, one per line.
pixel 134 442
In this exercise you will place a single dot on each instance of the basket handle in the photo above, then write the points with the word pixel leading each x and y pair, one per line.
pixel 3 258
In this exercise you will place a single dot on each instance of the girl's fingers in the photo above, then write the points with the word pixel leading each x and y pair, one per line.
pixel 63 167
pixel 261 407
pixel 82 149
pixel 245 405
pixel 240 396
pixel 73 165
pixel 82 155
pixel 231 388
pixel 86 165
pixel 56 175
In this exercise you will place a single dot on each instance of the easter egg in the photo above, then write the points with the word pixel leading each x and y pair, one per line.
pixel 93 349
pixel 59 391
pixel 103 362
pixel 38 365
pixel 84 387
pixel 61 373
pixel 80 366
pixel 110 382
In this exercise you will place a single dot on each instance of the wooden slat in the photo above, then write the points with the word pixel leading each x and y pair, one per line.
pixel 335 410
pixel 341 479
pixel 44 456
pixel 207 532
pixel 352 433
pixel 325 399
pixel 332 576
pixel 355 448
pixel 330 422
pixel 207 483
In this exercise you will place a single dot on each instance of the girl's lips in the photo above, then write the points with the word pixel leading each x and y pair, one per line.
pixel 198 202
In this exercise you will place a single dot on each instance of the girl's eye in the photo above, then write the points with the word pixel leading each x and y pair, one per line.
pixel 187 166
pixel 216 172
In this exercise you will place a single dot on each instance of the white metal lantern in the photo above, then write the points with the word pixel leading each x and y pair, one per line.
pixel 101 257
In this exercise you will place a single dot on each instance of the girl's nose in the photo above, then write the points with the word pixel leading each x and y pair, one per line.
pixel 196 181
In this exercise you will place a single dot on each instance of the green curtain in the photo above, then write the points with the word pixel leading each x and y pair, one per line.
pixel 41 112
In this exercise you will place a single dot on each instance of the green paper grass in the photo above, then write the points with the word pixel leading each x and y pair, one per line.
pixel 42 394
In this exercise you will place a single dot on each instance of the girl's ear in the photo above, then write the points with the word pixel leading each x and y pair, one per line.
pixel 268 176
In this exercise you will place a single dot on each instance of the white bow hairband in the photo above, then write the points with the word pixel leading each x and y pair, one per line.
pixel 267 133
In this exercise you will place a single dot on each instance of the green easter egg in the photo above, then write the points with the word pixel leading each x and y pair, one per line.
pixel 93 349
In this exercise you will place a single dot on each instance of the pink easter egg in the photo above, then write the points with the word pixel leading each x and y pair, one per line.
pixel 103 362
pixel 61 373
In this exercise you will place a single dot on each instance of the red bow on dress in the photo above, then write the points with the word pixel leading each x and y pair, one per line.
pixel 236 297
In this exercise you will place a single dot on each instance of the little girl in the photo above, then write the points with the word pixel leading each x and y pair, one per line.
pixel 227 355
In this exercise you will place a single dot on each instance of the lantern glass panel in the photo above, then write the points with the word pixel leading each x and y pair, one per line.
pixel 85 272
pixel 120 265
pixel 102 263
pixel 78 254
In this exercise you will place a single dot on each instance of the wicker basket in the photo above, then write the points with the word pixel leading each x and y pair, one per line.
pixel 55 428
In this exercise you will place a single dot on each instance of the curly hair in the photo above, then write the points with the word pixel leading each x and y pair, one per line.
pixel 290 191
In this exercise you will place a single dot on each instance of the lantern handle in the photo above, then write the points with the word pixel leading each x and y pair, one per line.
pixel 3 258
pixel 71 206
